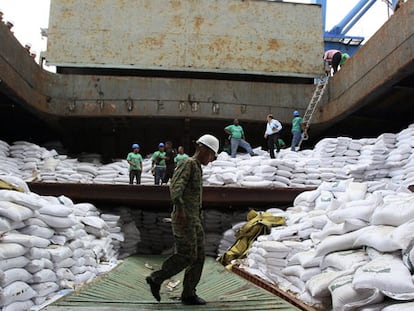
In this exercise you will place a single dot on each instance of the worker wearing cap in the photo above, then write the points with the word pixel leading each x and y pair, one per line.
pixel 185 191
pixel 273 127
pixel 297 124
pixel 134 160
pixel 158 164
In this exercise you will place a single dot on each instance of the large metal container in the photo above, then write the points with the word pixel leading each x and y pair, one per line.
pixel 226 36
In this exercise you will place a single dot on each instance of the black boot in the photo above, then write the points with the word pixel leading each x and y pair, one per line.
pixel 193 300
pixel 155 288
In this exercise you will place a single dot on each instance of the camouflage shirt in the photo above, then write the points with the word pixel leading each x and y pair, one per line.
pixel 186 185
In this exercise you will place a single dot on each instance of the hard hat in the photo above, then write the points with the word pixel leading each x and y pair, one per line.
pixel 161 145
pixel 295 113
pixel 209 141
pixel 134 146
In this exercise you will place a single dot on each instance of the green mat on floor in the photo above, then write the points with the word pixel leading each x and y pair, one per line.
pixel 124 288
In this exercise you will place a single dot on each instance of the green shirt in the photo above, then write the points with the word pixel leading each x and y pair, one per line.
pixel 296 124
pixel 186 187
pixel 136 159
pixel 158 161
pixel 180 157
pixel 235 130
pixel 344 58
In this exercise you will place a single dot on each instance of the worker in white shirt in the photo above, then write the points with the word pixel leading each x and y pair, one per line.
pixel 273 127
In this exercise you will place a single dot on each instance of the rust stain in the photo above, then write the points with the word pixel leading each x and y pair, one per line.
pixel 178 21
pixel 273 45
pixel 67 14
pixel 154 41
pixel 198 21
pixel 219 44
pixel 176 4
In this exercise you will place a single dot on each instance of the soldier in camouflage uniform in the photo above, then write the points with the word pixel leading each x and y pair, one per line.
pixel 186 190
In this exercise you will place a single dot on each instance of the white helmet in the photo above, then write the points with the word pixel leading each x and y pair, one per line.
pixel 209 141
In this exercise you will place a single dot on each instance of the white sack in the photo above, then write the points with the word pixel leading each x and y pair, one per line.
pixel 395 210
pixel 13 275
pixel 388 274
pixel 14 262
pixel 378 237
pixel 58 210
pixel 344 260
pixel 345 297
pixel 11 250
pixel 14 211
pixel 16 291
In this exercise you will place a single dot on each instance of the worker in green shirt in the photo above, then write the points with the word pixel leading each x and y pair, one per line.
pixel 297 127
pixel 181 156
pixel 158 164
pixel 134 160
pixel 236 133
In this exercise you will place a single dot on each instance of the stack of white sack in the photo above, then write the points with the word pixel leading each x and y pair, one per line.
pixel 229 238
pixel 4 149
pixel 357 247
pixel 129 236
pixel 114 223
pixel 47 243
pixel 215 222
pixel 30 157
pixel 155 228
pixel 146 176
pixel 387 159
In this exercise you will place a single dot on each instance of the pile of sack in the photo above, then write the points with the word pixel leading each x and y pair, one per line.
pixel 346 245
pixel 387 159
pixel 49 243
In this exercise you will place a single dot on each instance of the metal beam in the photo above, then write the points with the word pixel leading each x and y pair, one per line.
pixel 144 196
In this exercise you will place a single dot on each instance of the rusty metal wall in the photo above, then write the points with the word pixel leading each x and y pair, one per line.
pixel 201 35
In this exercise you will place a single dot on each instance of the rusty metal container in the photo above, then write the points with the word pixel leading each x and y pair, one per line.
pixel 231 36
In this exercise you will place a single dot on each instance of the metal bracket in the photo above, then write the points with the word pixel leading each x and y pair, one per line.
pixel 181 106
pixel 72 106
pixel 100 102
pixel 243 108
pixel 215 108
pixel 160 105
pixel 129 104
pixel 194 106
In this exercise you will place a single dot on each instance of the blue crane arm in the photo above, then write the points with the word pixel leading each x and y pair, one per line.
pixel 352 17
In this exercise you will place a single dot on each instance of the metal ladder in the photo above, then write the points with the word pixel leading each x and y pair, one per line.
pixel 316 98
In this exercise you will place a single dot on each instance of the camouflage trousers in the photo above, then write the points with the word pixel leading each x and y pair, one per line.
pixel 189 253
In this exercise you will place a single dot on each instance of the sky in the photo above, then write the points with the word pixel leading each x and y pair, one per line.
pixel 29 16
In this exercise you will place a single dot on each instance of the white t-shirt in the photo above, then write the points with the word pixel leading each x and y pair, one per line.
pixel 273 124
